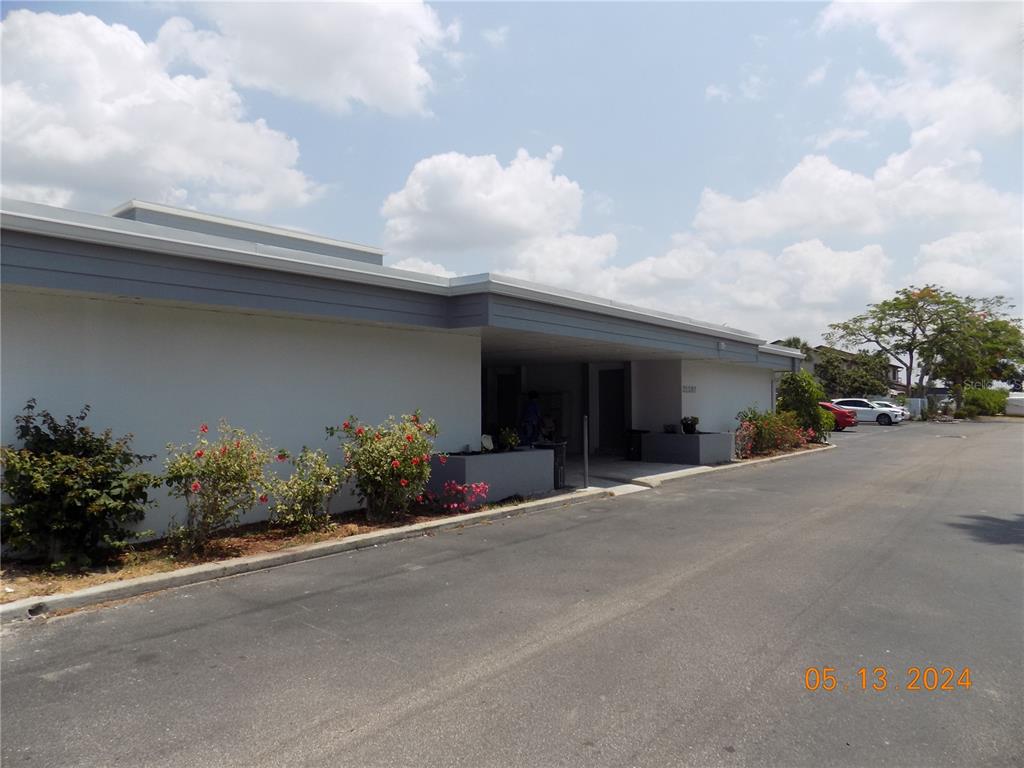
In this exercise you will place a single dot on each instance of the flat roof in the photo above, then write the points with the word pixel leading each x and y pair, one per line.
pixel 115 231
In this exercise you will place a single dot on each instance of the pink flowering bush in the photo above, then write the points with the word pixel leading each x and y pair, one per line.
pixel 220 480
pixel 455 497
pixel 762 432
pixel 390 461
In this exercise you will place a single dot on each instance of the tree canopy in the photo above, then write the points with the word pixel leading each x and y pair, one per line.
pixel 961 339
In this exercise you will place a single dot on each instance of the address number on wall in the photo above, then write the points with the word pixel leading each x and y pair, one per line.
pixel 689 388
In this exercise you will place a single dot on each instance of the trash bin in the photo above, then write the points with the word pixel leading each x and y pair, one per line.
pixel 558 460
pixel 634 443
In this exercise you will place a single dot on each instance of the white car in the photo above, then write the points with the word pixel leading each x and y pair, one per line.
pixel 897 406
pixel 1015 404
pixel 866 411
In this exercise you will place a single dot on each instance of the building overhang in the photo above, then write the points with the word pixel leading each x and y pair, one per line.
pixel 50 248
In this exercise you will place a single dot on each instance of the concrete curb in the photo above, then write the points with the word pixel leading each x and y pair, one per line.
pixel 31 607
pixel 654 481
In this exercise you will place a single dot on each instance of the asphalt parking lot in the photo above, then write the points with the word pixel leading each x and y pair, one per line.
pixel 673 627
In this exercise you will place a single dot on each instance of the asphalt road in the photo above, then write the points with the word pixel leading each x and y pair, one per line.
pixel 665 628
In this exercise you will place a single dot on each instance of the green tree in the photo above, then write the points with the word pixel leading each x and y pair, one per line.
pixel 901 327
pixel 795 342
pixel 862 375
pixel 977 341
pixel 800 393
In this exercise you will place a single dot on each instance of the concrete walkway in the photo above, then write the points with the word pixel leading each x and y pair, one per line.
pixel 611 472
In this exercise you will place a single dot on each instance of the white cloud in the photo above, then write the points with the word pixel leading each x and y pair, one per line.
pixel 569 261
pixel 522 219
pixel 816 195
pixel 827 139
pixel 413 264
pixel 91 117
pixel 978 263
pixel 496 38
pixel 719 92
pixel 456 202
pixel 35 193
pixel 817 75
pixel 327 54
pixel 930 39
pixel 961 110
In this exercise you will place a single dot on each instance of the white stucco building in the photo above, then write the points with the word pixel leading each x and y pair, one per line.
pixel 162 318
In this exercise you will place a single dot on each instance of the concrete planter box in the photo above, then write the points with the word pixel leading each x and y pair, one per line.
pixel 702 448
pixel 525 472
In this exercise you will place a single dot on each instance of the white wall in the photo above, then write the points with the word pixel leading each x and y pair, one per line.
pixel 656 392
pixel 158 372
pixel 721 391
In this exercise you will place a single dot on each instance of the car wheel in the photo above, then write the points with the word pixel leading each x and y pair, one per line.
pixel 885 420
pixel 838 429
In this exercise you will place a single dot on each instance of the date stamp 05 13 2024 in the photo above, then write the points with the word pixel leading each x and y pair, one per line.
pixel 879 679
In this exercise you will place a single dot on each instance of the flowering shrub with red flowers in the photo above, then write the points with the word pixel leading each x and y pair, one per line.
pixel 390 461
pixel 302 501
pixel 455 497
pixel 763 432
pixel 220 480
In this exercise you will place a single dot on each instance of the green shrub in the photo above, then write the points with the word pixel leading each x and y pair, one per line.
pixel 508 438
pixel 766 432
pixel 390 461
pixel 220 480
pixel 302 501
pixel 73 492
pixel 800 393
pixel 987 402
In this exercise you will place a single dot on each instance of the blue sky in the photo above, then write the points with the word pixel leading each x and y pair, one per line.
pixel 773 166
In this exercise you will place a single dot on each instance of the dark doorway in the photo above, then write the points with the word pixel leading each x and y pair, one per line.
pixel 611 397
pixel 508 387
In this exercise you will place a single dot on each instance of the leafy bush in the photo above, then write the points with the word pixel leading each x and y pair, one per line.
pixel 302 501
pixel 800 393
pixel 763 432
pixel 456 497
pixel 390 461
pixel 72 492
pixel 220 480
pixel 508 438
pixel 986 402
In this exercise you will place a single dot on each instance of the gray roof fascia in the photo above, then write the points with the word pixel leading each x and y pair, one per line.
pixel 772 349
pixel 126 233
pixel 184 213
pixel 523 289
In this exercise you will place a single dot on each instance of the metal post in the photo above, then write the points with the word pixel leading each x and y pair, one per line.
pixel 586 453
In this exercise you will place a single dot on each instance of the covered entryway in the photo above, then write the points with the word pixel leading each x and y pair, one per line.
pixel 620 387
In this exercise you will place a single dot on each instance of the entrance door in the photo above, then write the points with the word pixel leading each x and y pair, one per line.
pixel 611 397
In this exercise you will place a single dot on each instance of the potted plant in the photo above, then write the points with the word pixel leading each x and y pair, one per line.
pixel 508 439
pixel 689 424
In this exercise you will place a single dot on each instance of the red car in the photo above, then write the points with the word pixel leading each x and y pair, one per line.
pixel 844 417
